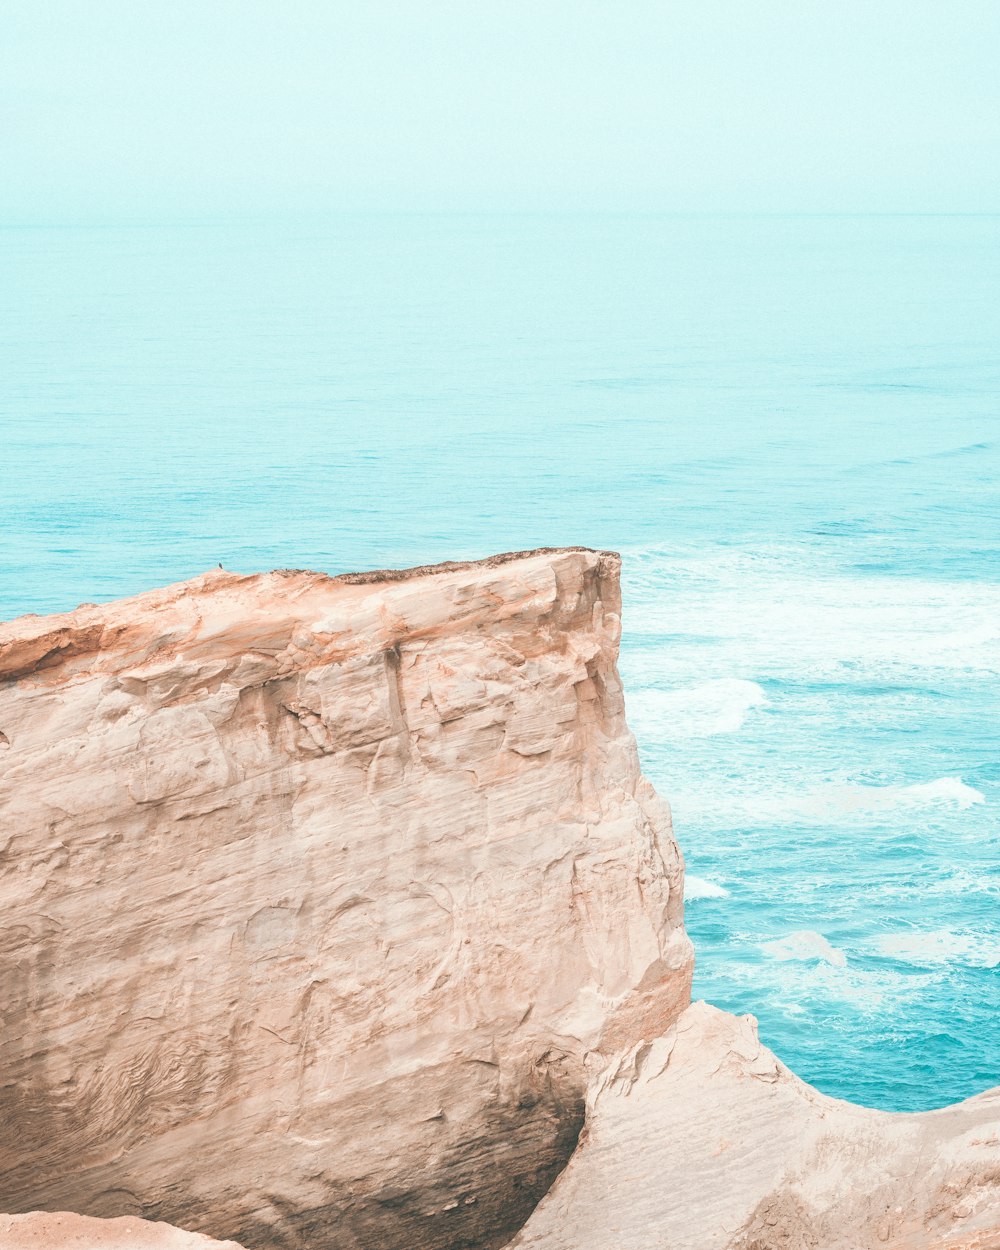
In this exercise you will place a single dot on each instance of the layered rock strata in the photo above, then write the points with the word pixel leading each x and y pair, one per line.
pixel 321 899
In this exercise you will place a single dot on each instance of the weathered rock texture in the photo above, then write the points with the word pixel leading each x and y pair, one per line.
pixel 317 894
pixel 65 1231
pixel 701 1140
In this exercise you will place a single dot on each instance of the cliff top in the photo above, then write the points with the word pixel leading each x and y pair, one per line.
pixel 212 605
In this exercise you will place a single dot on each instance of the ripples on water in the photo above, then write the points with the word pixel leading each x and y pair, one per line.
pixel 837 801
pixel 790 428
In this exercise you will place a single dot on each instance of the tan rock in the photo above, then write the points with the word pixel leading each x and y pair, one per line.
pixel 318 894
pixel 701 1139
pixel 64 1231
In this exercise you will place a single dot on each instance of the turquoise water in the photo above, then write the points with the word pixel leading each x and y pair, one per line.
pixel 789 426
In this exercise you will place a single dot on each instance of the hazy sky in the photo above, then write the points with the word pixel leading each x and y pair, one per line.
pixel 189 107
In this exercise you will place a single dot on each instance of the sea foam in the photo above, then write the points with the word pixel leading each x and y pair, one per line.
pixel 940 947
pixel 701 887
pixel 719 706
pixel 945 791
pixel 805 945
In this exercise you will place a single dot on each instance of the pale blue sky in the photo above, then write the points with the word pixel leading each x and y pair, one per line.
pixel 144 108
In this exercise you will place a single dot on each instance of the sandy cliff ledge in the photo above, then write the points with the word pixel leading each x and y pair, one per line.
pixel 318 894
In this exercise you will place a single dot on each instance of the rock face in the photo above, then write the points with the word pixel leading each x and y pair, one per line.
pixel 322 898
pixel 701 1140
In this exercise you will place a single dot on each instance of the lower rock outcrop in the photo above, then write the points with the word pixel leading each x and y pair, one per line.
pixel 700 1139
pixel 66 1231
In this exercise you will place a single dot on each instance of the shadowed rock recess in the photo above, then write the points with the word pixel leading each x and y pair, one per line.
pixel 332 906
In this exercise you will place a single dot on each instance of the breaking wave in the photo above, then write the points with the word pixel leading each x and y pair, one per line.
pixel 712 707
pixel 945 791
pixel 805 945
pixel 701 887
pixel 940 947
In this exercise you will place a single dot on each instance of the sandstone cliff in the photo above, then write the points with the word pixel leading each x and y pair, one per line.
pixel 327 903
pixel 317 895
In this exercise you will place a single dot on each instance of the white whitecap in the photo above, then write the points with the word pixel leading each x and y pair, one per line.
pixel 939 947
pixel 944 792
pixel 701 887
pixel 816 983
pixel 963 882
pixel 805 945
pixel 712 707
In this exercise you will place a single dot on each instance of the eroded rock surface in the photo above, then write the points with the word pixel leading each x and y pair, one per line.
pixel 317 894
pixel 701 1140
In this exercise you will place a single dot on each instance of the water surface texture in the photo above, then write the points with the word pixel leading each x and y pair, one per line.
pixel 788 426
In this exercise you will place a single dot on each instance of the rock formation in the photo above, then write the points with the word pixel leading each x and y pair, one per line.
pixel 317 895
pixel 701 1140
pixel 327 903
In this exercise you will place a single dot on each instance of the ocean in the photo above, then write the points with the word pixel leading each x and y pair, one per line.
pixel 789 427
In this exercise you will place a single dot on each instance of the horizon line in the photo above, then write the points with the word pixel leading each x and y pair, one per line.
pixel 220 219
